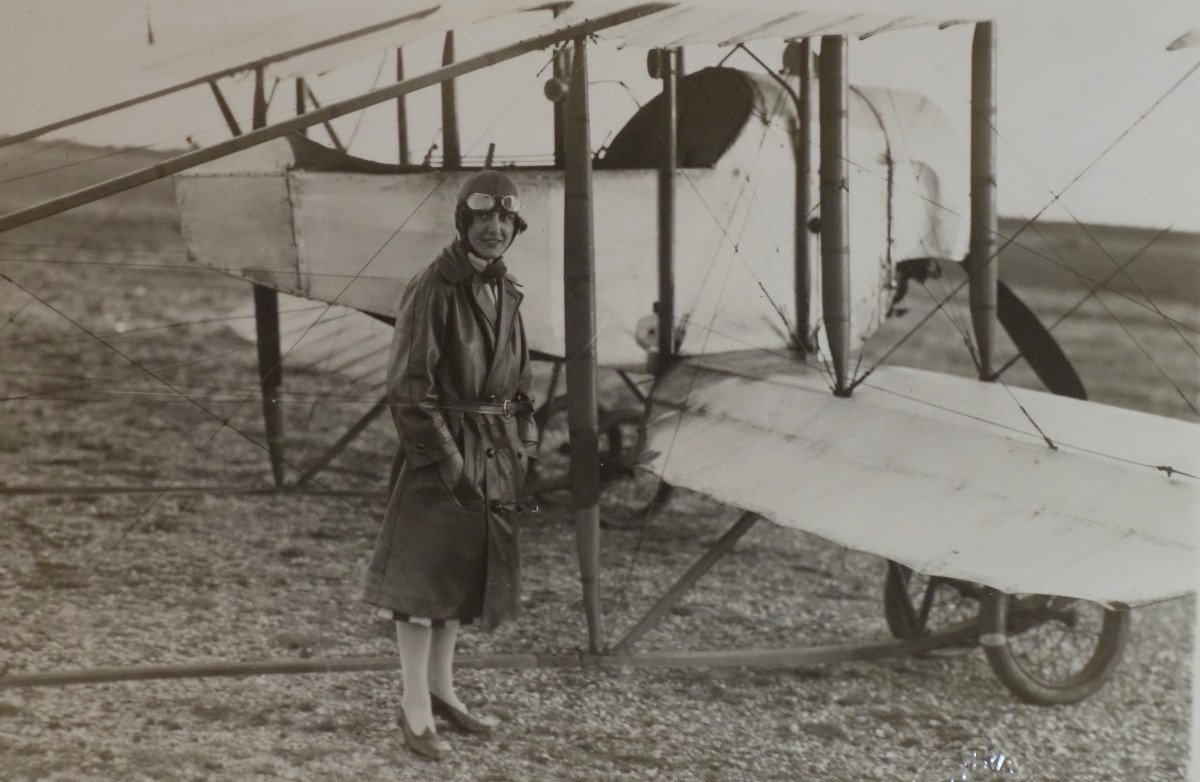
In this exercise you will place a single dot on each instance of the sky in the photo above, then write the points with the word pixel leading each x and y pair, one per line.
pixel 1075 78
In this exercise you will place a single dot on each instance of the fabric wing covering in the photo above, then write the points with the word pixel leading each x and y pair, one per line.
pixel 944 474
pixel 193 40
pixel 289 38
pixel 720 22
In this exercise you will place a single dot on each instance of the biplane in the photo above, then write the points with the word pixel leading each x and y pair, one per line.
pixel 1046 510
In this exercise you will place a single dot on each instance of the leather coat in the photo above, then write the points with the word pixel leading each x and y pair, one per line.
pixel 451 553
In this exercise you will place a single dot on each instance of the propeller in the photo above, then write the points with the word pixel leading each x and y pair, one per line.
pixel 1037 346
pixel 1033 340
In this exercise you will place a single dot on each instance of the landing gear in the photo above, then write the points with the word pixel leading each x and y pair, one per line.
pixel 916 605
pixel 628 492
pixel 1052 650
pixel 1046 649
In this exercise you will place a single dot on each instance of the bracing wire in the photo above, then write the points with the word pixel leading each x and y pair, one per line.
pixel 91 382
pixel 1091 292
pixel 146 329
pixel 1056 197
pixel 225 420
pixel 1013 240
pixel 1120 269
pixel 374 83
pixel 241 118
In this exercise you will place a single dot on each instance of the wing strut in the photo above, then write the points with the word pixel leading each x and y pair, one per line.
pixel 798 57
pixel 254 138
pixel 982 264
pixel 835 198
pixel 266 324
pixel 668 66
pixel 579 287
pixel 451 149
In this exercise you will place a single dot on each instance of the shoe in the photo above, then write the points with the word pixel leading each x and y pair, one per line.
pixel 426 744
pixel 460 719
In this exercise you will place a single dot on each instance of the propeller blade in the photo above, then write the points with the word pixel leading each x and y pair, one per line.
pixel 1037 346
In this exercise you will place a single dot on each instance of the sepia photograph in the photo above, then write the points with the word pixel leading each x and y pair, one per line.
pixel 599 390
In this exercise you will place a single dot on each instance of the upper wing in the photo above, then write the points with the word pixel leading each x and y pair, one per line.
pixel 688 22
pixel 949 476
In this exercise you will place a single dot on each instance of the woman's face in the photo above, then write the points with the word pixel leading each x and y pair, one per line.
pixel 490 233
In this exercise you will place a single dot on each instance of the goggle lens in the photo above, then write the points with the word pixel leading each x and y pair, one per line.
pixel 484 202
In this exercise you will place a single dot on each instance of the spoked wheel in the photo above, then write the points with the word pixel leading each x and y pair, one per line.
pixel 628 492
pixel 1052 650
pixel 916 605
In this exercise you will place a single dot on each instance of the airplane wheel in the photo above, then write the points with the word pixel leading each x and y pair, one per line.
pixel 628 492
pixel 916 605
pixel 1052 650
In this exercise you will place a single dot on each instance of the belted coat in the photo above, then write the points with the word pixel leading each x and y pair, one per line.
pixel 451 552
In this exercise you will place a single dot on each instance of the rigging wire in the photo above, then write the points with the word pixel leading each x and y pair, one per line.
pixel 92 382
pixel 622 598
pixel 242 118
pixel 1013 240
pixel 1166 469
pixel 1056 197
pixel 374 83
pixel 1079 223
pixel 120 204
pixel 321 319
pixel 190 267
pixel 225 421
pixel 1091 292
pixel 1121 270
pixel 956 314
pixel 35 341
pixel 148 371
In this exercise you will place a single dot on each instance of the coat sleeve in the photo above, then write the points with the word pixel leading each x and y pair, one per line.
pixel 412 392
pixel 526 426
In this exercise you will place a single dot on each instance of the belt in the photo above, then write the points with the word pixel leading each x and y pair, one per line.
pixel 506 407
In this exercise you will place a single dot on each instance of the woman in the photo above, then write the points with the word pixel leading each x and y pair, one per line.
pixel 459 388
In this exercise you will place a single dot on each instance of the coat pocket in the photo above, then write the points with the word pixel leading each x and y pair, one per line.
pixel 463 493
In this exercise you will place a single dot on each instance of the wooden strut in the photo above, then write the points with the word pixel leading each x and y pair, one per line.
pixel 561 69
pixel 835 192
pixel 350 436
pixel 404 156
pixel 267 339
pixel 451 148
pixel 333 136
pixel 198 157
pixel 84 490
pixel 301 106
pixel 668 138
pixel 579 303
pixel 803 281
pixel 982 263
pixel 226 112
pixel 739 658
pixel 720 548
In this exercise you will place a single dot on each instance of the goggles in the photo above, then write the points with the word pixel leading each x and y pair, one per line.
pixel 483 202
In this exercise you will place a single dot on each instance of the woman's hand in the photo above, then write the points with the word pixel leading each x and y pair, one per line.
pixel 450 470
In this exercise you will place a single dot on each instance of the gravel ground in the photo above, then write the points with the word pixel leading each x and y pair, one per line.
pixel 147 579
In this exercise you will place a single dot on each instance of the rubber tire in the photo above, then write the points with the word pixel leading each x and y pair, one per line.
pixel 1100 667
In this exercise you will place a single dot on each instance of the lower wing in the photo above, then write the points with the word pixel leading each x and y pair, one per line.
pixel 1020 490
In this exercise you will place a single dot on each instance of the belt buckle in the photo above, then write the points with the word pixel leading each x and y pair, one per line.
pixel 507 409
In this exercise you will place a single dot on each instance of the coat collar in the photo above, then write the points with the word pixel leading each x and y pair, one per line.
pixel 455 266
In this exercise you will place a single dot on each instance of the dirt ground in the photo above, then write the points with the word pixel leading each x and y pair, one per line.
pixel 114 375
